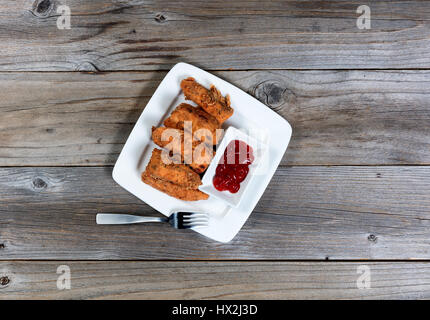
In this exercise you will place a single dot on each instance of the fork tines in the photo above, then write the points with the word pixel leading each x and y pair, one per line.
pixel 193 220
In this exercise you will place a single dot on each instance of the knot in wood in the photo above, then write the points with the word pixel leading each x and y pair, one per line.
pixel 273 94
pixel 372 238
pixel 160 18
pixel 38 183
pixel 2 245
pixel 42 8
pixel 4 281
pixel 87 66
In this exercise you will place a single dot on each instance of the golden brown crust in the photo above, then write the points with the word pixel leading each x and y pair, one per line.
pixel 199 120
pixel 218 96
pixel 174 190
pixel 210 100
pixel 178 174
pixel 177 179
pixel 200 158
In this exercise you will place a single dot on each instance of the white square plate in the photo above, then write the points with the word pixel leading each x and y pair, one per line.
pixel 250 115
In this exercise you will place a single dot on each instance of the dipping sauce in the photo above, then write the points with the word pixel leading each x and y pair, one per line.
pixel 233 167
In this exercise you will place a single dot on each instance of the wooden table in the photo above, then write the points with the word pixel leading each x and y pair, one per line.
pixel 352 190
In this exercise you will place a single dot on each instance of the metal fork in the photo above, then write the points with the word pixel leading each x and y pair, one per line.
pixel 178 220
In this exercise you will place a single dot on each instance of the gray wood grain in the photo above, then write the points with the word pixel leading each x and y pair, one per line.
pixel 306 213
pixel 338 117
pixel 215 280
pixel 154 35
pixel 354 118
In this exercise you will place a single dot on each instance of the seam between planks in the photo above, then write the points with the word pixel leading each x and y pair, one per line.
pixel 280 166
pixel 219 70
pixel 412 261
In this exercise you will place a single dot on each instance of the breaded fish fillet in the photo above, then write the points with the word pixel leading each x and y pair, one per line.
pixel 179 174
pixel 210 100
pixel 174 190
pixel 199 153
pixel 199 120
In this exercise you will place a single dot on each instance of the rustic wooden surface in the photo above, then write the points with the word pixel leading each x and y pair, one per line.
pixel 307 212
pixel 216 280
pixel 240 34
pixel 353 188
pixel 338 117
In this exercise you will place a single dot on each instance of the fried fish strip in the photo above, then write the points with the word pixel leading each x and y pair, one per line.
pixel 178 174
pixel 174 190
pixel 201 155
pixel 210 100
pixel 199 120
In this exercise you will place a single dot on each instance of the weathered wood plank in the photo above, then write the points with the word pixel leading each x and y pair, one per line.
pixel 215 280
pixel 306 213
pixel 154 35
pixel 338 117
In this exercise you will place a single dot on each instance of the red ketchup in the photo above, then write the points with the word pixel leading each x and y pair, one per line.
pixel 233 167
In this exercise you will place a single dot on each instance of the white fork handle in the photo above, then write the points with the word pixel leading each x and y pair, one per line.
pixel 112 218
